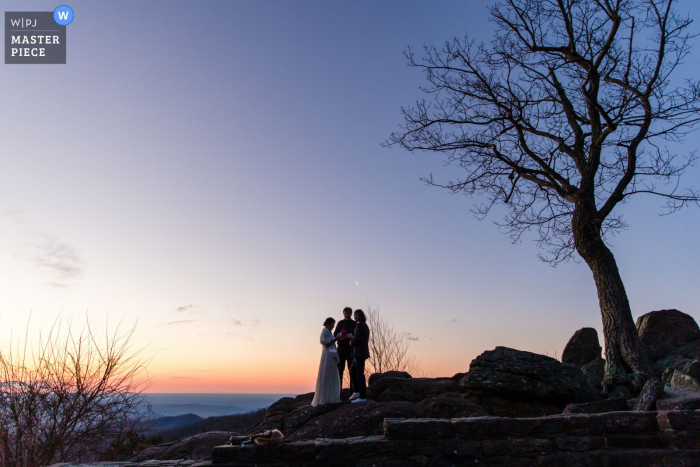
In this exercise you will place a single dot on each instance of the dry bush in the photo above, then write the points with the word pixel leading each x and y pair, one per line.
pixel 388 348
pixel 69 397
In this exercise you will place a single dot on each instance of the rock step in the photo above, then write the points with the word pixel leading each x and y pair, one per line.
pixel 610 439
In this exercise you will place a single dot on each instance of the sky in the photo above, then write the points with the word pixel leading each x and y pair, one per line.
pixel 212 172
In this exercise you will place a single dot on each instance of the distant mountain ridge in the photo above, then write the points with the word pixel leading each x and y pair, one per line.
pixel 232 423
pixel 201 410
pixel 208 405
pixel 171 423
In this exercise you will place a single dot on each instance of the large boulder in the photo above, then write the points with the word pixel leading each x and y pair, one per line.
pixel 301 415
pixel 601 406
pixel 678 358
pixel 665 330
pixel 678 399
pixel 499 406
pixel 451 406
pixel 410 390
pixel 582 348
pixel 387 374
pixel 277 413
pixel 525 375
pixel 595 372
pixel 193 448
pixel 361 419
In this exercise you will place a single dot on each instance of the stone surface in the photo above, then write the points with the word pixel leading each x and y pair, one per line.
pixel 601 406
pixel 277 413
pixel 301 415
pixel 525 375
pixel 582 348
pixel 594 372
pixel 193 448
pixel 665 330
pixel 501 406
pixel 677 359
pixel 451 407
pixel 616 439
pixel 620 392
pixel 387 374
pixel 361 419
pixel 678 399
pixel 681 379
pixel 647 398
pixel 410 390
pixel 151 463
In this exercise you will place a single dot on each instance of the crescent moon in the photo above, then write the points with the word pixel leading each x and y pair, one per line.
pixel 357 282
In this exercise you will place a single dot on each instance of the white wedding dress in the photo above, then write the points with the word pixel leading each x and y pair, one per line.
pixel 328 382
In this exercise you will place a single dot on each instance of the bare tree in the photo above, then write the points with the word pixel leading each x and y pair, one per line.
pixel 388 348
pixel 563 117
pixel 68 398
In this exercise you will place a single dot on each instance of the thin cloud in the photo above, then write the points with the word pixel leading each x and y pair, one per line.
pixel 60 260
pixel 251 323
pixel 182 321
pixel 412 338
pixel 184 308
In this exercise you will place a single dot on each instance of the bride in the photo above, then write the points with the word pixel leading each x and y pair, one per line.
pixel 328 382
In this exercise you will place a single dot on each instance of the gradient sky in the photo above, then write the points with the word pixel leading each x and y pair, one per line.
pixel 213 170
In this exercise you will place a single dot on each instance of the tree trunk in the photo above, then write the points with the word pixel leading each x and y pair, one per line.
pixel 623 349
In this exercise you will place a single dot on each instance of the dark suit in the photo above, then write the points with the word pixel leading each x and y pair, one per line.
pixel 344 349
pixel 360 347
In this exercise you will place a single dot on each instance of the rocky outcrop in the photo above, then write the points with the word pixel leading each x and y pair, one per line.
pixel 149 463
pixel 387 374
pixel 678 358
pixel 582 348
pixel 601 406
pixel 411 390
pixel 613 439
pixel 678 399
pixel 350 420
pixel 647 398
pixel 683 379
pixel 523 375
pixel 451 406
pixel 594 372
pixel 193 448
pixel 401 397
pixel 666 330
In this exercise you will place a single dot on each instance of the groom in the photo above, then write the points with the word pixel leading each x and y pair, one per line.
pixel 360 346
pixel 344 349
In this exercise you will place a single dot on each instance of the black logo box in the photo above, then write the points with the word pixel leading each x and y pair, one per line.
pixel 24 27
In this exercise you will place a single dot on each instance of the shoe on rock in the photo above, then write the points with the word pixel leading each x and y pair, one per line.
pixel 359 400
pixel 354 396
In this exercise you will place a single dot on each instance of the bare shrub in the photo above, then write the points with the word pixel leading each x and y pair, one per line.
pixel 68 398
pixel 388 348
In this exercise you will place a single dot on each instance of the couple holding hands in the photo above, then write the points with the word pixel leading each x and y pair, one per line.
pixel 352 337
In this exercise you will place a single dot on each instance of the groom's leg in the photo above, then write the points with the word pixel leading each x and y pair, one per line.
pixel 353 370
pixel 341 370
pixel 360 384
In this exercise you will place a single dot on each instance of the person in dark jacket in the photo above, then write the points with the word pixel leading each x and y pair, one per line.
pixel 344 349
pixel 360 346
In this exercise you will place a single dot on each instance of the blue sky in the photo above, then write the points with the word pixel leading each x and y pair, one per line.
pixel 214 171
